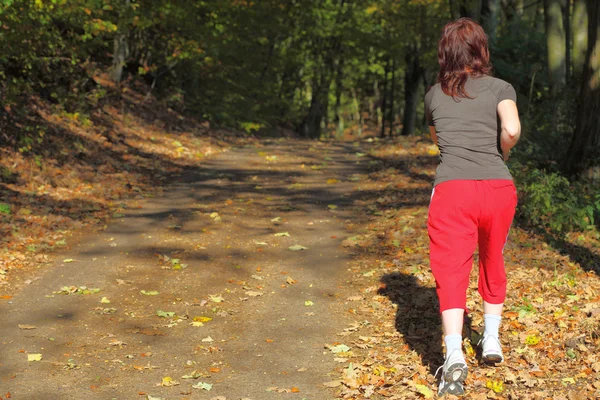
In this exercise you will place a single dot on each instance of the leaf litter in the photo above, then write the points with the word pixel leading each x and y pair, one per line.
pixel 551 326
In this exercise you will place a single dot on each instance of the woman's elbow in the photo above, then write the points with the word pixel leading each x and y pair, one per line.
pixel 513 131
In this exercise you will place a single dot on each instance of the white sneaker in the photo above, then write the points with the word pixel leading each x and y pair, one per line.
pixel 454 373
pixel 492 350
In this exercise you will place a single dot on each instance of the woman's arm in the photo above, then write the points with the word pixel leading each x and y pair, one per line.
pixel 433 134
pixel 511 126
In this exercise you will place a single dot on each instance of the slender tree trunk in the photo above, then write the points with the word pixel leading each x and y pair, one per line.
pixel 338 88
pixel 357 113
pixel 454 13
pixel 489 17
pixel 538 20
pixel 580 37
pixel 120 50
pixel 392 114
pixel 412 80
pixel 385 96
pixel 584 154
pixel 566 10
pixel 519 7
pixel 556 42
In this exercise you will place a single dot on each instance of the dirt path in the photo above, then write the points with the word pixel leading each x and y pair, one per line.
pixel 215 246
pixel 198 289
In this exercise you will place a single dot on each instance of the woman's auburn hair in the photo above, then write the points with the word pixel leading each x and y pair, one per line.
pixel 462 52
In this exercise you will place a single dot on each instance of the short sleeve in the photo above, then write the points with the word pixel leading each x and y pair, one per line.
pixel 507 93
pixel 428 115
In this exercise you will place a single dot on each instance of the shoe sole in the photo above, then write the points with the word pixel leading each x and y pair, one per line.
pixel 492 358
pixel 456 373
pixel 454 377
pixel 454 388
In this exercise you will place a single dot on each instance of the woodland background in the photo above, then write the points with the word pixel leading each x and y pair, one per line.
pixel 336 69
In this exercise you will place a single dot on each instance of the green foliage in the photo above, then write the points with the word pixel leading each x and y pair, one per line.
pixel 548 200
pixel 5 208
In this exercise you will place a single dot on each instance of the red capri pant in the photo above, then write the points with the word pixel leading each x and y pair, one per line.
pixel 462 215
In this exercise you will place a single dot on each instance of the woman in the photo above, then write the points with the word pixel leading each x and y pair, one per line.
pixel 474 120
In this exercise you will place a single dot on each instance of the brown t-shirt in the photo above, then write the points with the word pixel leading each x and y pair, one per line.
pixel 468 130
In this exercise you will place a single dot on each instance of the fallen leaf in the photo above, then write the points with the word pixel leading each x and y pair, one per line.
pixel 216 298
pixel 425 391
pixel 297 247
pixel 280 234
pixel 26 327
pixel 340 348
pixel 34 357
pixel 497 386
pixel 290 281
pixel 165 314
pixel 104 300
pixel 168 382
pixel 149 293
pixel 202 385
pixel 253 293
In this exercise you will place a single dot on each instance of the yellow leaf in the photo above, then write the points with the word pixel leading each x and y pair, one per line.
pixel 202 319
pixel 496 386
pixel 425 391
pixel 331 181
pixel 532 340
pixel 105 300
pixel 566 381
pixel 34 357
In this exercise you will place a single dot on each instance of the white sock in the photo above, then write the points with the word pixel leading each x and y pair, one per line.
pixel 492 324
pixel 453 342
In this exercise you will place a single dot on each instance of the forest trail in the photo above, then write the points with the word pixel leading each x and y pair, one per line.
pixel 291 270
pixel 216 245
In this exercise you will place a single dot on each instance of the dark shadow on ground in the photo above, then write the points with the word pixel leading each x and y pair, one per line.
pixel 417 316
pixel 587 259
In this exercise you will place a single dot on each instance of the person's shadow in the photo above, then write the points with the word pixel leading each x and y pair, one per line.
pixel 417 316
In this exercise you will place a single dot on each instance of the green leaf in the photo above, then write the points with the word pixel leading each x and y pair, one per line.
pixel 165 314
pixel 340 348
pixel 202 385
pixel 4 208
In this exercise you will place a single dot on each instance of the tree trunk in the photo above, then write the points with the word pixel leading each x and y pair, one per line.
pixel 489 17
pixel 120 50
pixel 385 96
pixel 338 88
pixel 580 36
pixel 119 57
pixel 317 110
pixel 555 39
pixel 538 20
pixel 584 154
pixel 454 14
pixel 412 80
pixel 566 10
pixel 392 115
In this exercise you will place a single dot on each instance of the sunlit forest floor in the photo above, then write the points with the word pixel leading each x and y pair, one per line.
pixel 147 256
